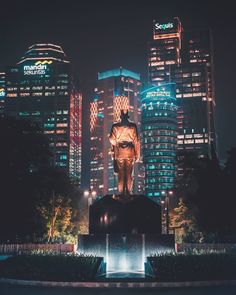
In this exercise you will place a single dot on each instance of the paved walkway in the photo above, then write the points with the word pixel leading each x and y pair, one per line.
pixel 118 284
pixel 28 290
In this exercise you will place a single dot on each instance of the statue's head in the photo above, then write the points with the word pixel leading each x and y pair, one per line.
pixel 124 115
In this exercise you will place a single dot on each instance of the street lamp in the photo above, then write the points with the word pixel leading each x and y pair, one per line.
pixel 90 195
pixel 167 193
pixel 162 215
pixel 86 193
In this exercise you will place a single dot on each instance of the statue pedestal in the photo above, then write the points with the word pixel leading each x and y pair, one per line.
pixel 133 214
pixel 125 230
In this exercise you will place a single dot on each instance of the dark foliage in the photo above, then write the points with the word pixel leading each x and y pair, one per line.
pixel 209 193
pixel 50 268
pixel 27 178
pixel 194 267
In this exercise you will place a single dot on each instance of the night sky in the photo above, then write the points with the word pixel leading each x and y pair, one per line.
pixel 100 35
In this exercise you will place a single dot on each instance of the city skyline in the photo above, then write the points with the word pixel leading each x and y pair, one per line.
pixel 82 30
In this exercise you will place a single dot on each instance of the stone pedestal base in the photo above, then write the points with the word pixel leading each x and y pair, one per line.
pixel 133 214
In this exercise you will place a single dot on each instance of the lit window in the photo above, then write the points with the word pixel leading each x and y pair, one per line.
pixel 170 62
pixel 62 124
pixel 23 113
pixel 48 132
pixel 60 131
pixel 189 141
pixel 49 125
pixel 50 88
pixel 23 94
pixel 37 87
pixel 37 94
pixel 188 95
pixel 12 95
pixel 37 113
pixel 198 135
pixel 63 157
pixel 61 144
pixel 199 141
pixel 196 74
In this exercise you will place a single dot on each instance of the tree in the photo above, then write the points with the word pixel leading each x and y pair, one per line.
pixel 57 214
pixel 182 221
pixel 212 202
pixel 203 187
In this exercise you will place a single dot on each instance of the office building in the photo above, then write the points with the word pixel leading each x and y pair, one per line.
pixel 186 58
pixel 159 135
pixel 40 88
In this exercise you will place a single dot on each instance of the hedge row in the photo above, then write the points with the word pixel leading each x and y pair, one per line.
pixel 50 268
pixel 187 267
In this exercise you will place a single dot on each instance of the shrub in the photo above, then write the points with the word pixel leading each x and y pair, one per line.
pixel 51 267
pixel 193 267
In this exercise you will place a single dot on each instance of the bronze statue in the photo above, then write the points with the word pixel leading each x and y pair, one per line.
pixel 126 150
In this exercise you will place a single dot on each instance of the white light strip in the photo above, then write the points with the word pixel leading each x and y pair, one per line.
pixel 47 44
pixel 46 49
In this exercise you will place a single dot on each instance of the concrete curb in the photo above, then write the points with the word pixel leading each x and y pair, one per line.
pixel 118 284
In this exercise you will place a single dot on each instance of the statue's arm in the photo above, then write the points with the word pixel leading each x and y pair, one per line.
pixel 137 146
pixel 112 136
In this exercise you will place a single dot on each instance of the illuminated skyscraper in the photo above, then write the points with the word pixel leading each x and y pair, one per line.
pixel 164 50
pixel 117 89
pixel 2 93
pixel 40 88
pixel 186 58
pixel 159 132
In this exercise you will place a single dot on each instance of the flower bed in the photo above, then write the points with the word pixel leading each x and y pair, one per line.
pixel 51 267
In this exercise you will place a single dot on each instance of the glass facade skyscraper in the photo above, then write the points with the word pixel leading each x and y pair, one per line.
pixel 40 88
pixel 185 57
pixel 159 136
pixel 117 89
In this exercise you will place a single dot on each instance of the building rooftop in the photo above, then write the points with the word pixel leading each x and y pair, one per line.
pixel 44 52
pixel 118 72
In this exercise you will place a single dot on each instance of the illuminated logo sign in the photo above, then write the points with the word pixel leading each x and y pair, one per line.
pixel 39 68
pixel 2 92
pixel 164 92
pixel 164 26
pixel 158 93
pixel 43 62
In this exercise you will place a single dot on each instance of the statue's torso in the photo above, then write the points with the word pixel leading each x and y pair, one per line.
pixel 125 136
pixel 125 133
